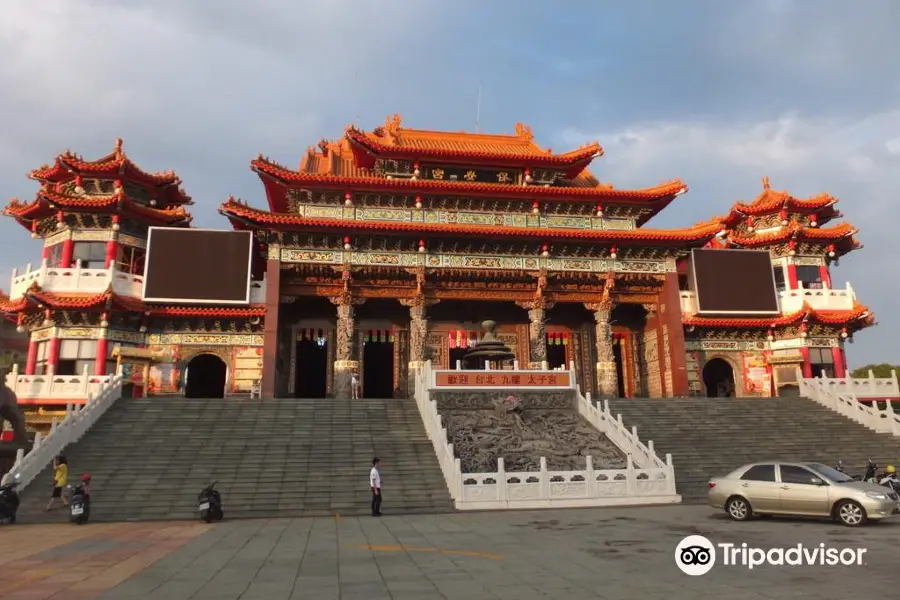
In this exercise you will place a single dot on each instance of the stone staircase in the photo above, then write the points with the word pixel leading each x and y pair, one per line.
pixel 272 458
pixel 710 437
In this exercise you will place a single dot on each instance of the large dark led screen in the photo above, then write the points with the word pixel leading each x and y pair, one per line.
pixel 734 282
pixel 197 266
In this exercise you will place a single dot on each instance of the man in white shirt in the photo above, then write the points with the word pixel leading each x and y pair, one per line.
pixel 375 485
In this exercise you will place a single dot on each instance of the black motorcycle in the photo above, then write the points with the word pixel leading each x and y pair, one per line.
pixel 209 503
pixel 9 501
pixel 871 475
pixel 79 505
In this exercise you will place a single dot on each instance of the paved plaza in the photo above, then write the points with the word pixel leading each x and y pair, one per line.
pixel 566 554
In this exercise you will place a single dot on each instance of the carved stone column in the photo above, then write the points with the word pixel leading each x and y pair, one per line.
pixel 537 337
pixel 537 329
pixel 345 358
pixel 418 334
pixel 607 377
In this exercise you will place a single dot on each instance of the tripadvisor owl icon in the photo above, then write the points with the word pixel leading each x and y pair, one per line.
pixel 695 555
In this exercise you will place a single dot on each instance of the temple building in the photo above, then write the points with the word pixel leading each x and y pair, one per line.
pixel 386 248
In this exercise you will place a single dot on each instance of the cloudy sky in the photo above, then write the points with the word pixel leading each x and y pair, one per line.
pixel 716 93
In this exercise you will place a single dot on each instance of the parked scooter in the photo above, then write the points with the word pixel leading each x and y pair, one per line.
pixel 870 476
pixel 9 501
pixel 80 501
pixel 209 503
pixel 890 480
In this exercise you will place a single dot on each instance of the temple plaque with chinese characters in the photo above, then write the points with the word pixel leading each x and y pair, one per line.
pixel 560 379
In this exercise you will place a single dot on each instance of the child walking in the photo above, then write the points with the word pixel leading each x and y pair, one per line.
pixel 60 480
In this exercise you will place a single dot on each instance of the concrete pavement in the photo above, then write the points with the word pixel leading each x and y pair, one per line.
pixel 573 554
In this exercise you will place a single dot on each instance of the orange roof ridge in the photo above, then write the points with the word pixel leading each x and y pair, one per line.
pixel 698 233
pixel 116 165
pixel 393 138
pixel 653 193
pixel 859 313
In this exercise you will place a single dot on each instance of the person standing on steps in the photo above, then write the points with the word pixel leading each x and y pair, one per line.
pixel 60 479
pixel 354 386
pixel 375 485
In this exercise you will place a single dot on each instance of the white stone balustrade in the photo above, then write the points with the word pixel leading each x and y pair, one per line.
pixel 78 420
pixel 76 280
pixel 842 395
pixel 652 484
pixel 56 387
pixel 790 301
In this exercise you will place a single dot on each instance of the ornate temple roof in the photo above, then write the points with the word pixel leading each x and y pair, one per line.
pixel 392 140
pixel 115 165
pixel 859 317
pixel 840 237
pixel 243 216
pixel 771 201
pixel 49 202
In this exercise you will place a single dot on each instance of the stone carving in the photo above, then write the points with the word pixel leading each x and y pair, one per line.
pixel 418 326
pixel 515 429
pixel 529 400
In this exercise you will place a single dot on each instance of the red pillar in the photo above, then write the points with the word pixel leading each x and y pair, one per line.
pixel 112 251
pixel 840 361
pixel 792 277
pixel 670 315
pixel 67 252
pixel 807 367
pixel 45 253
pixel 31 361
pixel 53 353
pixel 825 275
pixel 270 329
pixel 102 349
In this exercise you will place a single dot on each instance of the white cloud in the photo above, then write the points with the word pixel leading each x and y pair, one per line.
pixel 723 163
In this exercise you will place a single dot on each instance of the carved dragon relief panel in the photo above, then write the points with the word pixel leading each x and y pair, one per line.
pixel 522 428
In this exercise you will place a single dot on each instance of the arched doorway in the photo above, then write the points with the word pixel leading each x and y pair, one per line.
pixel 718 377
pixel 205 377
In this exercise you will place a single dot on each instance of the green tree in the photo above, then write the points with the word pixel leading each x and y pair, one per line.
pixel 881 370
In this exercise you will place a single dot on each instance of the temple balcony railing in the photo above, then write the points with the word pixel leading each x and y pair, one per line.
pixel 79 280
pixel 790 301
pixel 76 280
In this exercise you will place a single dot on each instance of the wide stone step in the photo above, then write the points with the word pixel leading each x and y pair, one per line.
pixel 150 458
pixel 712 437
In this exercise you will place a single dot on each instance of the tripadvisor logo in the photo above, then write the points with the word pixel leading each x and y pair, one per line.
pixel 696 555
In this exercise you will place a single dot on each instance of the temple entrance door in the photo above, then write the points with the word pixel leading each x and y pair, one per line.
pixel 378 369
pixel 618 347
pixel 718 377
pixel 205 377
pixel 556 355
pixel 311 379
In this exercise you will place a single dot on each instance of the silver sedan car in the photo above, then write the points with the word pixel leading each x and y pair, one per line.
pixel 801 489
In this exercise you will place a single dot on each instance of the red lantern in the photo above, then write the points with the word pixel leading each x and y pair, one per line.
pixel 348 199
pixel 599 209
pixel 418 201
pixel 614 252
pixel 347 244
pixel 422 246
pixel 545 250
pixel 536 207
pixel 451 340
